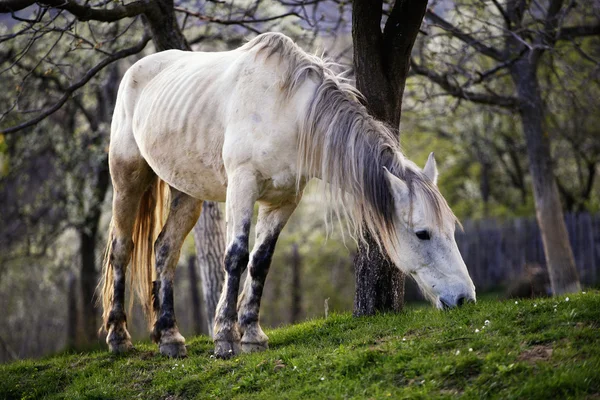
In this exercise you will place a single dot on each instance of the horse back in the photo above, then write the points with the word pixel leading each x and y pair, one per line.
pixel 195 116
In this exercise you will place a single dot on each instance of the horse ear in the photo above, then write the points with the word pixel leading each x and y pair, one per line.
pixel 430 169
pixel 398 187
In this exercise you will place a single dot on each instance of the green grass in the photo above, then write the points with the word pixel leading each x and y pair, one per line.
pixel 545 349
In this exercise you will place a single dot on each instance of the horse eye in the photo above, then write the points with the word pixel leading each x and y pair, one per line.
pixel 423 235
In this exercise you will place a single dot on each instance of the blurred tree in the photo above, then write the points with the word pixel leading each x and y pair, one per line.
pixel 526 31
pixel 381 63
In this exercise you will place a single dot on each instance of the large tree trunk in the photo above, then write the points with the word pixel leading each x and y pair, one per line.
pixel 557 248
pixel 379 283
pixel 381 62
pixel 209 236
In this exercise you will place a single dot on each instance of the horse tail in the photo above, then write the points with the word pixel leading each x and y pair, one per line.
pixel 150 218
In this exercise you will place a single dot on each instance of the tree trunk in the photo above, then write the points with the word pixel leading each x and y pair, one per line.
pixel 379 283
pixel 72 318
pixel 199 324
pixel 88 279
pixel 381 63
pixel 557 248
pixel 209 238
pixel 166 35
pixel 296 309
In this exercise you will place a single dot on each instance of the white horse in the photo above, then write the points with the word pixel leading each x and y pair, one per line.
pixel 254 125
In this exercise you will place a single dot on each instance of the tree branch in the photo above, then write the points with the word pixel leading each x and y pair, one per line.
pixel 83 13
pixel 72 88
pixel 203 17
pixel 546 38
pixel 465 37
pixel 456 91
pixel 573 32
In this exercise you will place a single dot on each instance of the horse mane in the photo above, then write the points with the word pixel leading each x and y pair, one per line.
pixel 343 145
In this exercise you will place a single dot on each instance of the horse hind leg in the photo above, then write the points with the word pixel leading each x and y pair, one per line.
pixel 126 202
pixel 269 225
pixel 183 214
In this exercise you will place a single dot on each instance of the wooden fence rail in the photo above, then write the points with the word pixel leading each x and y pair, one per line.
pixel 497 252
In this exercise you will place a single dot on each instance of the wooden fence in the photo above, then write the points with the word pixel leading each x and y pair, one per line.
pixel 496 252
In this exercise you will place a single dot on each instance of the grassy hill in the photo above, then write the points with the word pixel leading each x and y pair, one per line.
pixel 530 349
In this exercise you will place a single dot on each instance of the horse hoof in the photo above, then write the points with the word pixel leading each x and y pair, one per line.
pixel 254 347
pixel 118 347
pixel 226 349
pixel 173 350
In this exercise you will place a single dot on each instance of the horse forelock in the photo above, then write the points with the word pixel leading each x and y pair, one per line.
pixel 343 145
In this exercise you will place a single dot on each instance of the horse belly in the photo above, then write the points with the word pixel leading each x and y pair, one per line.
pixel 189 172
pixel 179 130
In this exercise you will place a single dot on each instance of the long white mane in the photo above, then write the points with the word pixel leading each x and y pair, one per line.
pixel 346 147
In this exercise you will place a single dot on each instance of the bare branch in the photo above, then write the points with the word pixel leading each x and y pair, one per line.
pixel 459 92
pixel 203 17
pixel 72 88
pixel 502 12
pixel 465 37
pixel 573 32
pixel 83 13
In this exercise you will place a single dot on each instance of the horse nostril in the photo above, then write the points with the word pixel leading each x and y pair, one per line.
pixel 445 304
pixel 461 300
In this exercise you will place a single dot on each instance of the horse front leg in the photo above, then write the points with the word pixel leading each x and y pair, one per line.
pixel 270 223
pixel 241 195
pixel 183 214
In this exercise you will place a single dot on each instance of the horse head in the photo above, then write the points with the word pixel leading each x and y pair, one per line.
pixel 425 246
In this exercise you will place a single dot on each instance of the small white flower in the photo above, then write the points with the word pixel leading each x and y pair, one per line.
pixel 457 352
pixel 516 302
pixel 487 322
pixel 470 349
pixel 583 292
pixel 322 378
pixel 535 305
pixel 476 330
pixel 295 368
pixel 176 365
pixel 404 339
pixel 567 299
pixel 483 327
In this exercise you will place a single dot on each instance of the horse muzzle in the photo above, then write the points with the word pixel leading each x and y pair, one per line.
pixel 450 301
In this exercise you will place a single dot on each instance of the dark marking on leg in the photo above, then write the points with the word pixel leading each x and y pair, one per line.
pixel 254 339
pixel 166 319
pixel 156 296
pixel 248 318
pixel 237 256
pixel 162 252
pixel 175 202
pixel 226 331
pixel 116 317
pixel 262 257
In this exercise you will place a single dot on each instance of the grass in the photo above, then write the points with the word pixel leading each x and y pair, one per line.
pixel 532 349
